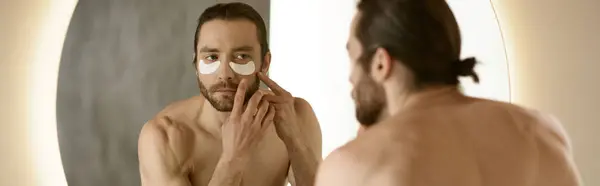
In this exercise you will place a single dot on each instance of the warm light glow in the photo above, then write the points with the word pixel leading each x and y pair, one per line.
pixel 44 87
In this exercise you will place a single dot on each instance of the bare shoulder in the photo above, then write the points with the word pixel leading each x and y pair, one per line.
pixel 358 163
pixel 548 128
pixel 169 135
pixel 165 129
pixel 302 106
pixel 304 109
pixel 341 167
pixel 545 120
pixel 515 111
pixel 163 134
pixel 305 113
pixel 173 122
pixel 542 125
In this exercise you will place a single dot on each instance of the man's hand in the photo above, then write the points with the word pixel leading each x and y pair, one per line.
pixel 297 126
pixel 242 131
pixel 244 128
pixel 285 115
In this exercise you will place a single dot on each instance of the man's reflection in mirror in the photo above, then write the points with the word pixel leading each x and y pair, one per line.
pixel 234 133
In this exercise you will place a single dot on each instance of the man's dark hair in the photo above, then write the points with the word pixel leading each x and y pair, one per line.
pixel 234 11
pixel 423 35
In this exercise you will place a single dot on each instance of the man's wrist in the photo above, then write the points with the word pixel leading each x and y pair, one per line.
pixel 295 144
pixel 292 136
pixel 233 162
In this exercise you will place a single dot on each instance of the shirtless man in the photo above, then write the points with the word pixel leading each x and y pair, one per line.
pixel 234 133
pixel 420 130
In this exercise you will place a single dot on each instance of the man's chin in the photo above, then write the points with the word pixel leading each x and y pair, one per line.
pixel 367 117
pixel 366 122
pixel 223 107
pixel 221 104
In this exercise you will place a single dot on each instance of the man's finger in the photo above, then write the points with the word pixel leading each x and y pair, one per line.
pixel 252 106
pixel 266 92
pixel 238 101
pixel 274 99
pixel 271 84
pixel 268 120
pixel 262 111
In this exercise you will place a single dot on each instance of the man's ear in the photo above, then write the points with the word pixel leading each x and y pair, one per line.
pixel 381 65
pixel 266 63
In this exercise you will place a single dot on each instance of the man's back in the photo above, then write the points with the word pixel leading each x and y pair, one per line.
pixel 456 140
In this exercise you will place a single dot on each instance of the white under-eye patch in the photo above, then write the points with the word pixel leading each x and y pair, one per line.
pixel 210 68
pixel 243 69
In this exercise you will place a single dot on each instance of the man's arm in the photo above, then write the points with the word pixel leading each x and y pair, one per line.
pixel 304 150
pixel 227 173
pixel 163 151
pixel 557 166
pixel 297 126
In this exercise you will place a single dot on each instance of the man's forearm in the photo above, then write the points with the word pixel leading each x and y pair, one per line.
pixel 304 162
pixel 228 172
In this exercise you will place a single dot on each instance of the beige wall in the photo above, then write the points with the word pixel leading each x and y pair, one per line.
pixel 554 55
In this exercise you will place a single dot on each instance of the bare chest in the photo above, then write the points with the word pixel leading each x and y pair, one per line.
pixel 268 166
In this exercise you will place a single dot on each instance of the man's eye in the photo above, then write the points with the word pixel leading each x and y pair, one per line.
pixel 211 58
pixel 242 56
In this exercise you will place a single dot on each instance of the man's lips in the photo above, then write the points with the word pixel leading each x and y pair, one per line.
pixel 225 90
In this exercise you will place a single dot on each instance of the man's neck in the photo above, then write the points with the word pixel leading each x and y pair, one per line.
pixel 212 119
pixel 400 100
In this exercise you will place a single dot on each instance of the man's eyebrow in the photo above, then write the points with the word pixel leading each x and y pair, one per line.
pixel 243 49
pixel 206 49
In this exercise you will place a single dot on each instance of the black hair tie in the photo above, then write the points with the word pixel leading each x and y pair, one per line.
pixel 466 67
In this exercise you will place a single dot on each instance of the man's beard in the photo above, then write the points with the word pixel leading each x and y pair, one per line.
pixel 370 101
pixel 225 103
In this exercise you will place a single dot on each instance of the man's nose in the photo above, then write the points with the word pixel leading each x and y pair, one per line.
pixel 225 72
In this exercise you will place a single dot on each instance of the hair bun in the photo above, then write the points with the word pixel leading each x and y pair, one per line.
pixel 466 67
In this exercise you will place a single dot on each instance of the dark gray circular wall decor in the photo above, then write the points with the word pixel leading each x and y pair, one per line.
pixel 122 62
